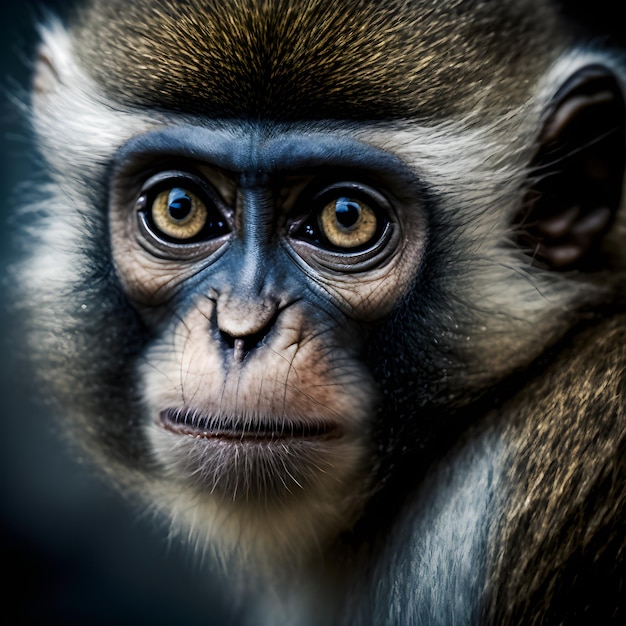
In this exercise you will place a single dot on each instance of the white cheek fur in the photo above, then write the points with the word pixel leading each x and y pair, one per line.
pixel 94 126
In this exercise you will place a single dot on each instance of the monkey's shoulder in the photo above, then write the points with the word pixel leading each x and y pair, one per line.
pixel 568 462
pixel 491 526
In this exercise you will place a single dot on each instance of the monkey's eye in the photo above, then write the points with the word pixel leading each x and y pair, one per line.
pixel 348 217
pixel 181 210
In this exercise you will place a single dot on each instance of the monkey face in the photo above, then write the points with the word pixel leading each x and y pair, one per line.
pixel 260 281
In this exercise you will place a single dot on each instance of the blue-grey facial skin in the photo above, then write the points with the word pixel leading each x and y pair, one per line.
pixel 264 147
pixel 259 163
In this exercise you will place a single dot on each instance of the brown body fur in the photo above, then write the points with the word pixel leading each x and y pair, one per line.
pixel 563 533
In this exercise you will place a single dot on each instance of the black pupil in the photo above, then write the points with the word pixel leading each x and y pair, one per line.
pixel 347 212
pixel 179 204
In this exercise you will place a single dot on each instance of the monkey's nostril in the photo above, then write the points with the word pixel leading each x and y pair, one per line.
pixel 240 347
pixel 239 350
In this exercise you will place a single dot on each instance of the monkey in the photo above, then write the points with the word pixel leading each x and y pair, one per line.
pixel 337 288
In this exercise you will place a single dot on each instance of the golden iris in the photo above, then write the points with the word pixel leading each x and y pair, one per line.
pixel 178 213
pixel 348 223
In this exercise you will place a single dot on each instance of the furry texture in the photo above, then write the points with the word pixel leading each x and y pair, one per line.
pixel 558 556
pixel 316 59
pixel 431 521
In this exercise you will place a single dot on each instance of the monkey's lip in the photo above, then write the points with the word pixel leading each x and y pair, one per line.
pixel 188 421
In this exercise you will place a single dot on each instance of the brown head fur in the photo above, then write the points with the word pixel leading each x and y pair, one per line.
pixel 317 58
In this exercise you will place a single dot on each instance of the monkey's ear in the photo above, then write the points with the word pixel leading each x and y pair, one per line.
pixel 577 174
pixel 46 76
pixel 54 66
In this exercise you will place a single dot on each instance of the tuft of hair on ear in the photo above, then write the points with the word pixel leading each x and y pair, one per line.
pixel 577 173
pixel 46 76
pixel 52 58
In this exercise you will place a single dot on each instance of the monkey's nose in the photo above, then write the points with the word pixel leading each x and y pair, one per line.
pixel 244 324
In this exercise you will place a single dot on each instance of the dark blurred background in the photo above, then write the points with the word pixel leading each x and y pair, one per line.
pixel 73 551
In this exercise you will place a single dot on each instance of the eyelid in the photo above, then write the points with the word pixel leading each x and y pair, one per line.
pixel 173 178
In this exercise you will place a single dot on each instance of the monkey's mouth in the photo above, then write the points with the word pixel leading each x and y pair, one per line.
pixel 194 422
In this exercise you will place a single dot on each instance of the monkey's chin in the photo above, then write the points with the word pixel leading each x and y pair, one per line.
pixel 259 487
